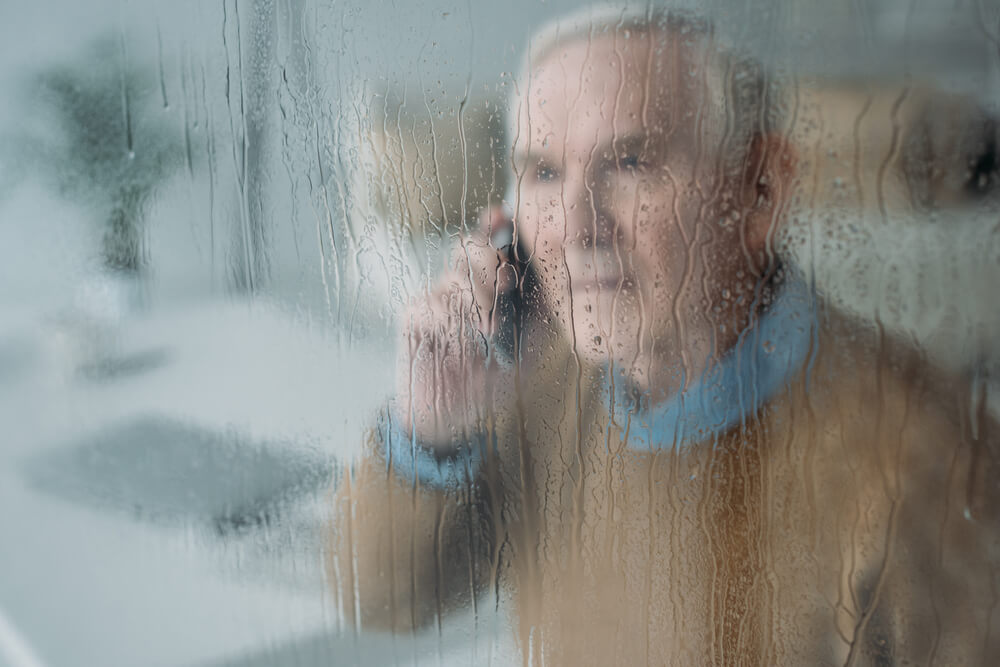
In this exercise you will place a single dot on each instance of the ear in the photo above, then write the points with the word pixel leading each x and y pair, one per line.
pixel 768 181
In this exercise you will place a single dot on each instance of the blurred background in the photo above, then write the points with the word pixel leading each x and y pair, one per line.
pixel 211 212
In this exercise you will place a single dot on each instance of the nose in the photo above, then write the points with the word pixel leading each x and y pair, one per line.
pixel 587 207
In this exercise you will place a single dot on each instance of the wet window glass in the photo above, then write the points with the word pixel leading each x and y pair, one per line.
pixel 536 333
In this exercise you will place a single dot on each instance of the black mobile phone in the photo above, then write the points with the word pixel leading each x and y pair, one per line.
pixel 516 310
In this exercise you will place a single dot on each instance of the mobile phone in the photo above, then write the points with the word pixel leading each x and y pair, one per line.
pixel 515 310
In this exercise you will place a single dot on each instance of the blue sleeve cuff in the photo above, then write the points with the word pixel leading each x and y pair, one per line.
pixel 439 467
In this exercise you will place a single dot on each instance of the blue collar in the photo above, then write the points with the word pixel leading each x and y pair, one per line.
pixel 766 357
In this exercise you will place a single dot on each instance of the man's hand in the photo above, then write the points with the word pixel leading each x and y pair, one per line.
pixel 447 373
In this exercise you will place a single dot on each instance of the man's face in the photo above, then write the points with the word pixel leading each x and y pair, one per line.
pixel 619 202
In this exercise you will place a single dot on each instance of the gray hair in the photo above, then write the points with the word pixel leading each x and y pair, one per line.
pixel 744 102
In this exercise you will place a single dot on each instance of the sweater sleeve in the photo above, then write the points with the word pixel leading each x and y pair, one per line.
pixel 435 466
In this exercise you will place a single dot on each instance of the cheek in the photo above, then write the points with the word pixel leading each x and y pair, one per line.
pixel 664 268
pixel 540 239
pixel 644 202
pixel 647 219
pixel 541 229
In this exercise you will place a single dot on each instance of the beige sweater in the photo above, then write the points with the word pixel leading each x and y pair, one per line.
pixel 853 521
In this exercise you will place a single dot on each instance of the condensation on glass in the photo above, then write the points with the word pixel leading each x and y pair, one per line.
pixel 541 333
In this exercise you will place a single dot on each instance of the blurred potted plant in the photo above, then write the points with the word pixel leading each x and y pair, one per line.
pixel 94 129
pixel 113 148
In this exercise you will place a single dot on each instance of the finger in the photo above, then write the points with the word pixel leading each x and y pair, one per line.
pixel 498 225
pixel 487 257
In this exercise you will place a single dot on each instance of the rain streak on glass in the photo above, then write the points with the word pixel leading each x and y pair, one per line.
pixel 542 333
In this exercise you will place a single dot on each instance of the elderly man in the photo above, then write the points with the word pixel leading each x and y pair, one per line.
pixel 623 410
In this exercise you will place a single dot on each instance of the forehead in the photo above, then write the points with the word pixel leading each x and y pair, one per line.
pixel 612 83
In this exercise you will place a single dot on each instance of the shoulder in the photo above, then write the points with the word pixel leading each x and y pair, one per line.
pixel 867 393
pixel 875 370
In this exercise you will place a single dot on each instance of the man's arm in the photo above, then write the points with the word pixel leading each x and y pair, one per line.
pixel 401 554
pixel 410 538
